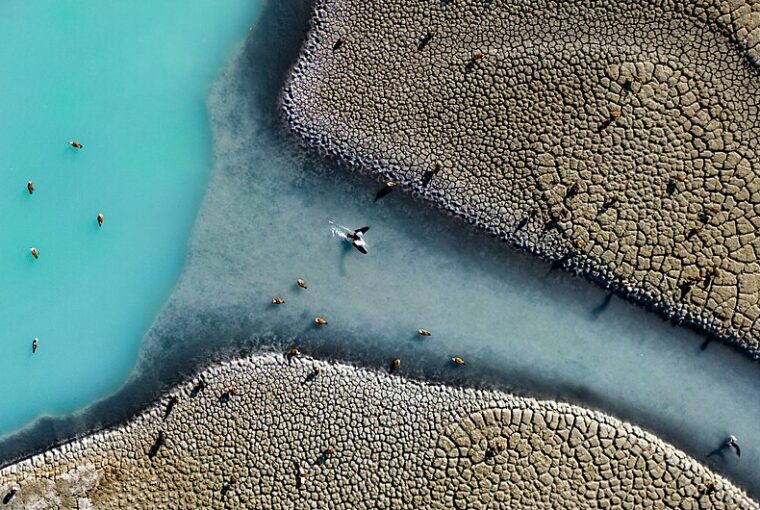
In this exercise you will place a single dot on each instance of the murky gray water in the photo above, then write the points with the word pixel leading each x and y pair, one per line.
pixel 517 323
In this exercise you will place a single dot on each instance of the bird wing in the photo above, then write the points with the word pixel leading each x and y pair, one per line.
pixel 361 248
pixel 363 230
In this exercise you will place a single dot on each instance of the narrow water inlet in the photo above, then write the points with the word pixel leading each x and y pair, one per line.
pixel 516 322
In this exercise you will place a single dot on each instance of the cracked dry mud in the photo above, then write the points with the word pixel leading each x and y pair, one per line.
pixel 366 440
pixel 620 138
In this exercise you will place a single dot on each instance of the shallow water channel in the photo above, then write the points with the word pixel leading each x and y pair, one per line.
pixel 517 323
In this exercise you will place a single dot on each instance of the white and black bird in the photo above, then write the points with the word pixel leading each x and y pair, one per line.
pixel 732 443
pixel 357 239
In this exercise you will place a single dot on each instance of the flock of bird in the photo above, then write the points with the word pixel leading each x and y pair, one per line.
pixel 321 321
pixel 356 238
pixel 34 251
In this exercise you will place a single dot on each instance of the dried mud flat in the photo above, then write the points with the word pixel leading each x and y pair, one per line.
pixel 366 440
pixel 618 138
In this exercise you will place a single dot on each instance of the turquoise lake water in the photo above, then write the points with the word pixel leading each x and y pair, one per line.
pixel 264 222
pixel 129 81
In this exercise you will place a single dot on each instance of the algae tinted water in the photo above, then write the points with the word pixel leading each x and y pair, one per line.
pixel 265 223
pixel 128 80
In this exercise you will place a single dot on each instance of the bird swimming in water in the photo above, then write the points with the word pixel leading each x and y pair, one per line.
pixel 355 236
pixel 386 189
pixel 30 187
pixel 302 283
pixel 100 219
pixel 395 365
pixel 457 360
pixel 424 332
pixel 277 301
pixel 320 321
pixel 357 239
pixel 35 344
pixel 35 252
pixel 732 443
pixel 76 144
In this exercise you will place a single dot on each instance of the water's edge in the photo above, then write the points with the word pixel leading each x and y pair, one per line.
pixel 577 262
pixel 155 374
pixel 149 380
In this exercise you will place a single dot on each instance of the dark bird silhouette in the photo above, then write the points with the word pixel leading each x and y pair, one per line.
pixel 199 386
pixel 170 406
pixel 425 40
pixel 157 444
pixel 8 497
pixel 428 176
pixel 338 44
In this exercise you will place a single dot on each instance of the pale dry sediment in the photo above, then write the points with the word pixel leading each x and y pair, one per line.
pixel 620 138
pixel 367 440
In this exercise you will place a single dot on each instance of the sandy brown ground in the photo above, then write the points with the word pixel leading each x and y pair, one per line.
pixel 620 137
pixel 366 440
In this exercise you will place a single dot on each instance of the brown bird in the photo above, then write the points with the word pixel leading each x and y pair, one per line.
pixel 76 144
pixel 100 219
pixel 30 187
pixel 457 360
pixel 302 283
pixel 319 320
pixel 292 353
pixel 395 365
pixel 35 252
pixel 423 332
pixel 277 300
